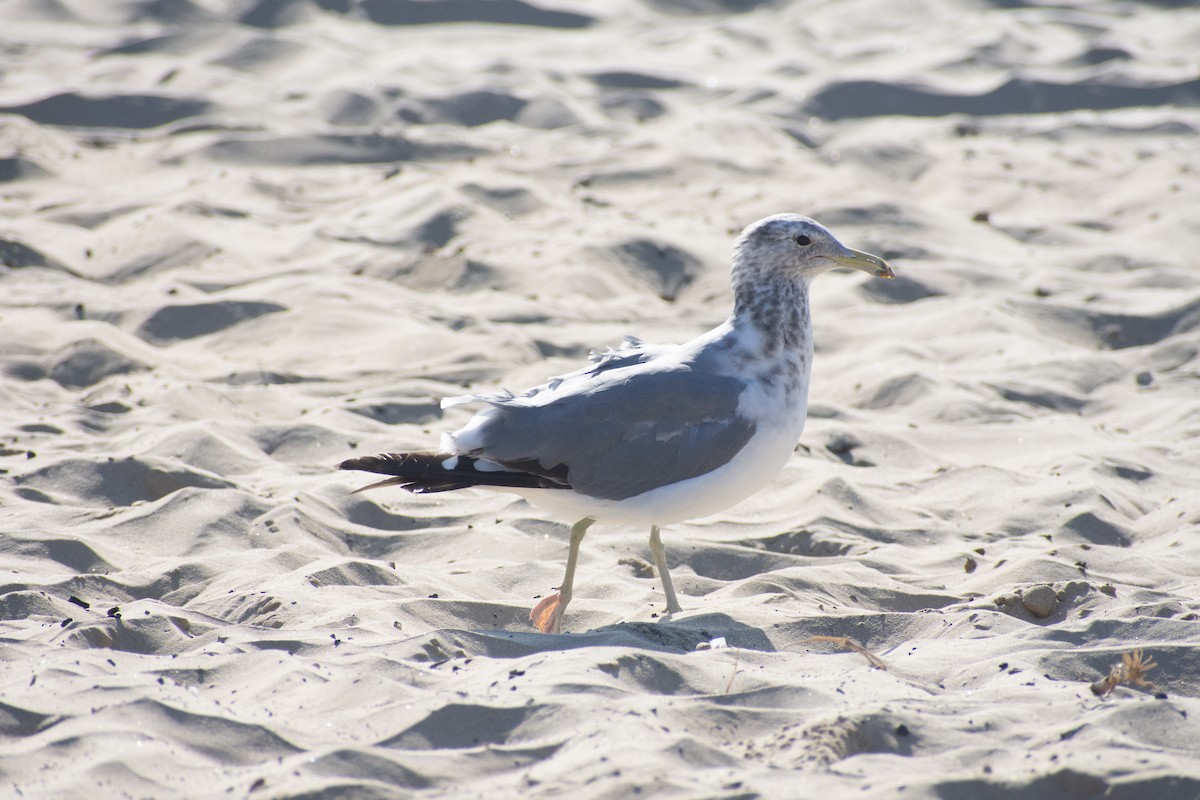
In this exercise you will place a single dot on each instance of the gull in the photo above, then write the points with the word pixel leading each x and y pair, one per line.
pixel 653 434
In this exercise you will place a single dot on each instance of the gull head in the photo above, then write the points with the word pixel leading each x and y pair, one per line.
pixel 800 247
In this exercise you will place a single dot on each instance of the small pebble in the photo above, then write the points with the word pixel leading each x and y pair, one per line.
pixel 1041 601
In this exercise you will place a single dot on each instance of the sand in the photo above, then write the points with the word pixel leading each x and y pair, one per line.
pixel 245 239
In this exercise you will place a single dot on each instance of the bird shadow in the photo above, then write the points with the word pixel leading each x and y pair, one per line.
pixel 663 636
pixel 687 634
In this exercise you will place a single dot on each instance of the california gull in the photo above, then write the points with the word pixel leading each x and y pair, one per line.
pixel 654 434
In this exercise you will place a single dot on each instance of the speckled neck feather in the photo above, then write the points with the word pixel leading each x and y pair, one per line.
pixel 778 308
pixel 775 305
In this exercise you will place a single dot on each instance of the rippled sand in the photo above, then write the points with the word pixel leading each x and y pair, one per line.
pixel 245 240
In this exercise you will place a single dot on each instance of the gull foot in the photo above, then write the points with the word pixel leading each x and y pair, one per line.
pixel 547 615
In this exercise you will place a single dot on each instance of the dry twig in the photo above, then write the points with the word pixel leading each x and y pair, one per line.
pixel 846 643
pixel 1131 670
pixel 732 672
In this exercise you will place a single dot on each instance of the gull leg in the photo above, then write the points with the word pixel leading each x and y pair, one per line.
pixel 660 563
pixel 547 615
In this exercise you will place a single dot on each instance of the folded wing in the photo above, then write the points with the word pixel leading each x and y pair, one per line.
pixel 617 430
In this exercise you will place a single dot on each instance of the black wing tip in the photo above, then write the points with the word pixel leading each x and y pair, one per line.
pixel 424 473
pixel 384 463
pixel 413 472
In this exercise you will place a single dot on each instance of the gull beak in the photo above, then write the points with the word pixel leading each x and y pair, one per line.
pixel 865 262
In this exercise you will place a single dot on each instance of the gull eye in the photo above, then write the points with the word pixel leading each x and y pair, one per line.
pixel 802 240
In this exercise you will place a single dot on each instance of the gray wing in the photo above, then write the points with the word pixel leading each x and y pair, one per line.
pixel 620 430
